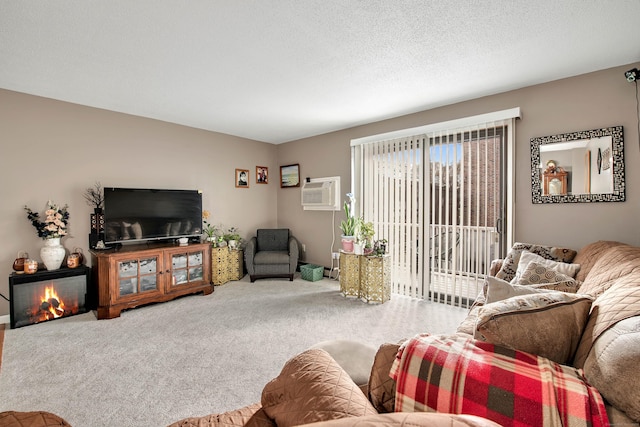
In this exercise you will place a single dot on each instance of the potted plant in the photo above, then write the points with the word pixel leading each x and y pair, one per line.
pixel 232 237
pixel 209 229
pixel 380 247
pixel 95 197
pixel 365 235
pixel 349 226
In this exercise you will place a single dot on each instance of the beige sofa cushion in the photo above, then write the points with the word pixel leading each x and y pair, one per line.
pixel 614 280
pixel 415 419
pixel 589 255
pixel 312 387
pixel 612 366
pixel 547 324
pixel 354 357
pixel 248 416
pixel 31 419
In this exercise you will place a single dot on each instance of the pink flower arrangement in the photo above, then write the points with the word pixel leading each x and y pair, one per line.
pixel 54 224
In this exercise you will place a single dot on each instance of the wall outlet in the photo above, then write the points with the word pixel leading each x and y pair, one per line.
pixel 304 248
pixel 335 255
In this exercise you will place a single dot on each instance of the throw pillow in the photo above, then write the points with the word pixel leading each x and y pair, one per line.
pixel 382 389
pixel 510 263
pixel 527 257
pixel 547 324
pixel 541 276
pixel 312 387
pixel 498 290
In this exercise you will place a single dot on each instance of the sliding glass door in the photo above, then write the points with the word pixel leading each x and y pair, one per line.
pixel 442 198
pixel 465 204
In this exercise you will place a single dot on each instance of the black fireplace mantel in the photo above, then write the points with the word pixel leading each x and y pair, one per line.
pixel 74 282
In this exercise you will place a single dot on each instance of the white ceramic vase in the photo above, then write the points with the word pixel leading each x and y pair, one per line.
pixel 52 253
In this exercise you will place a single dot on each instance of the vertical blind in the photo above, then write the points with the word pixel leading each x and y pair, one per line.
pixel 437 197
pixel 466 204
pixel 392 191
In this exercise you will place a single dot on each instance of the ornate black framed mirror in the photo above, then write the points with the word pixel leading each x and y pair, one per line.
pixel 578 167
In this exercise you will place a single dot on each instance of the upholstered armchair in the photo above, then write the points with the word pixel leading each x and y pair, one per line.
pixel 272 253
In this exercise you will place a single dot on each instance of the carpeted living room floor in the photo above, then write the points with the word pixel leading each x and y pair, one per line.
pixel 193 356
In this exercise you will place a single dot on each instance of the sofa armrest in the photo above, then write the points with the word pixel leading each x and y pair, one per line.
pixel 249 253
pixel 294 254
pixel 382 388
pixel 248 416
pixel 354 357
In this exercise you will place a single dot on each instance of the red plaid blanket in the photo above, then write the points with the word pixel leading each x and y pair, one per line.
pixel 460 375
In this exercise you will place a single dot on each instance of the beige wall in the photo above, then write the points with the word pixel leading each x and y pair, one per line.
pixel 55 150
pixel 585 102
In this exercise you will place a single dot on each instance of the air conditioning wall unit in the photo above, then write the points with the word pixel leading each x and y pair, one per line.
pixel 321 194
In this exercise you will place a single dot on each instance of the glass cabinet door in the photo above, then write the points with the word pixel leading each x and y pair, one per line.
pixel 186 267
pixel 137 275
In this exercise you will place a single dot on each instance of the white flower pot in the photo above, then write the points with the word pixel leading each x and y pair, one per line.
pixel 52 253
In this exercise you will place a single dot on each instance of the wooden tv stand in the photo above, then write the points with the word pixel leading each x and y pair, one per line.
pixel 134 275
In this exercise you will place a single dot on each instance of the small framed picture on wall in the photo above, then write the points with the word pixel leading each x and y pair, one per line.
pixel 290 176
pixel 242 178
pixel 262 175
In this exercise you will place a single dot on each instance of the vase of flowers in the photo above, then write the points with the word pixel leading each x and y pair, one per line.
pixel 51 230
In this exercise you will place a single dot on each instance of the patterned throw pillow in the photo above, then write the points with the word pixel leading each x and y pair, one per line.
pixel 547 324
pixel 561 267
pixel 541 276
pixel 498 290
pixel 509 265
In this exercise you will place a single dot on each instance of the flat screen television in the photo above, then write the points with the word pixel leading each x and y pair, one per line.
pixel 139 214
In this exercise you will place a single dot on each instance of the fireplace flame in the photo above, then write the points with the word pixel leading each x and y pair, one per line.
pixel 52 303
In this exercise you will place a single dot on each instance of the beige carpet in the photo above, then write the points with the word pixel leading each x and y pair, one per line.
pixel 193 356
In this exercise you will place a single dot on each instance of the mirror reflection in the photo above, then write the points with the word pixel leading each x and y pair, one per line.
pixel 582 166
pixel 577 167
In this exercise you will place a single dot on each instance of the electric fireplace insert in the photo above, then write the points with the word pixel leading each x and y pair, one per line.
pixel 48 295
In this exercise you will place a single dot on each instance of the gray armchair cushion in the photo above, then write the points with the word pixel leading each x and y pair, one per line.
pixel 271 257
pixel 273 240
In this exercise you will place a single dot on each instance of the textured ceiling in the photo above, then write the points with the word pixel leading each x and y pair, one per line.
pixel 280 70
